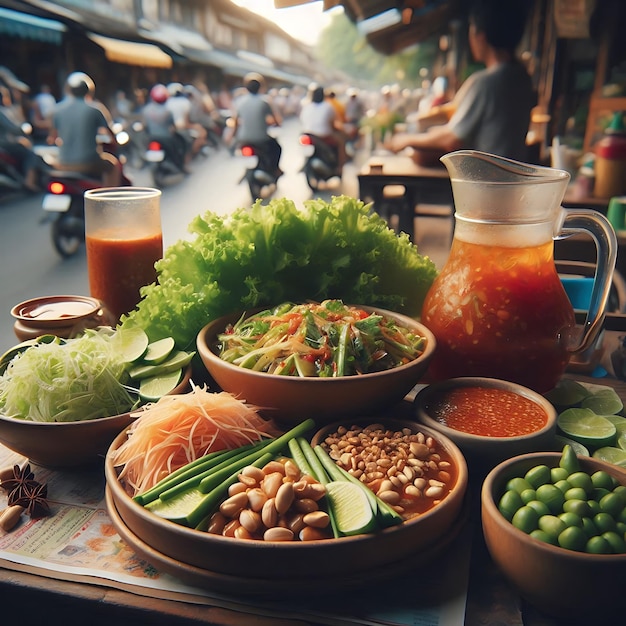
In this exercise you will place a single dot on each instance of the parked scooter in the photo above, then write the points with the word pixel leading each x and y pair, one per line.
pixel 321 163
pixel 64 203
pixel 260 173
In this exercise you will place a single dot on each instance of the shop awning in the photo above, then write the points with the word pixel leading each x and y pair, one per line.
pixel 132 52
pixel 29 26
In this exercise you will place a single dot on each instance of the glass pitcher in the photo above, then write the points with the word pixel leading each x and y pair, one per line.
pixel 498 307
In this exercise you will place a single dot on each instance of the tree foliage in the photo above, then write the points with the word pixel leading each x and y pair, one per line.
pixel 341 47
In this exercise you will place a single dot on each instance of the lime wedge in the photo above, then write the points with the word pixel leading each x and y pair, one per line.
pixel 176 361
pixel 130 343
pixel 615 419
pixel 351 507
pixel 158 351
pixel 584 426
pixel 151 389
pixel 567 393
pixel 616 456
pixel 604 401
pixel 578 448
pixel 620 440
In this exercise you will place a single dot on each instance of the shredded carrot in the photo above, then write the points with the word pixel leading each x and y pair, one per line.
pixel 178 429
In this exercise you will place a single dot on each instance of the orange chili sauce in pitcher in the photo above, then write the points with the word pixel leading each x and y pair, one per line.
pixel 500 312
pixel 119 267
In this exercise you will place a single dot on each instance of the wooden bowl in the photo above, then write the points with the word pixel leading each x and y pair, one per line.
pixel 67 444
pixel 270 567
pixel 289 400
pixel 563 583
pixel 481 451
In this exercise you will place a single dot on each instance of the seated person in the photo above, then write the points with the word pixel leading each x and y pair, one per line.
pixel 492 108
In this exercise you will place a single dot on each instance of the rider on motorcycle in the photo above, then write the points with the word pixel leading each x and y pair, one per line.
pixel 159 123
pixel 253 115
pixel 77 123
pixel 319 118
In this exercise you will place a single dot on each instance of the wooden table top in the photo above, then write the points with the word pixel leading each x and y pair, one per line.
pixel 398 165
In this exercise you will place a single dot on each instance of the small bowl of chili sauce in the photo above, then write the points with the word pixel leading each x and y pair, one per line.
pixel 489 419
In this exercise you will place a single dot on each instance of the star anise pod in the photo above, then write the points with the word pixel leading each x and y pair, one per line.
pixel 34 500
pixel 22 479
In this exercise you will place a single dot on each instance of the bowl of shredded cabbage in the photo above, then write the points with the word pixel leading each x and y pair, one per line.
pixel 324 360
pixel 62 401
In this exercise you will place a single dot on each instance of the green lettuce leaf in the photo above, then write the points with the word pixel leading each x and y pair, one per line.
pixel 266 254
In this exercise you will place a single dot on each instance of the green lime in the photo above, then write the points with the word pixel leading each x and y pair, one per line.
pixel 543 536
pixel 602 479
pixel 604 401
pixel 582 480
pixel 589 527
pixel 538 475
pixel 621 489
pixel 611 454
pixel 579 507
pixel 509 503
pixel 518 484
pixel 617 543
pixel 567 393
pixel 552 497
pixel 604 522
pixel 552 526
pixel 571 519
pixel 584 426
pixel 540 507
pixel 594 506
pixel 178 360
pixel 130 343
pixel 558 473
pixel 615 419
pixel 612 504
pixel 351 508
pixel 575 493
pixel 151 389
pixel 578 448
pixel 563 485
pixel 158 351
pixel 527 495
pixel 598 545
pixel 621 435
pixel 573 538
pixel 525 519
pixel 569 460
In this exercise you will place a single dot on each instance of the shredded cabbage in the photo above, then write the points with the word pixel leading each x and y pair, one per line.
pixel 266 254
pixel 66 381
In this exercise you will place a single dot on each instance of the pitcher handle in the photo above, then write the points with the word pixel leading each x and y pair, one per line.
pixel 603 235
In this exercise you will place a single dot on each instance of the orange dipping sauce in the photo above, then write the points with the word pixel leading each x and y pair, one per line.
pixel 119 267
pixel 487 412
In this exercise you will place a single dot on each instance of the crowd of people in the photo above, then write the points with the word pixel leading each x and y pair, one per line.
pixel 490 112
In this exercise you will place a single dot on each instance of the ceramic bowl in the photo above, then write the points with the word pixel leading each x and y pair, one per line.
pixel 259 567
pixel 289 399
pixel 562 583
pixel 481 451
pixel 67 444
pixel 63 316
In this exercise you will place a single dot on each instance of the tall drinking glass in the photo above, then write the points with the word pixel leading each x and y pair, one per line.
pixel 124 239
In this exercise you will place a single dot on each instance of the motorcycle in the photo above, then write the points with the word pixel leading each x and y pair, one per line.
pixel 260 174
pixel 11 177
pixel 64 204
pixel 321 163
pixel 165 170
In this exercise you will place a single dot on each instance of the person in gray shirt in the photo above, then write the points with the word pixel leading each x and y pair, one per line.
pixel 76 124
pixel 253 115
pixel 492 108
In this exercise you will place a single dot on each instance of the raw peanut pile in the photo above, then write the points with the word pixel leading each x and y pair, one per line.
pixel 275 503
pixel 405 469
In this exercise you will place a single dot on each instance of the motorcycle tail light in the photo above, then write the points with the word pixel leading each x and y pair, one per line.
pixel 56 187
pixel 247 151
pixel 154 145
pixel 306 140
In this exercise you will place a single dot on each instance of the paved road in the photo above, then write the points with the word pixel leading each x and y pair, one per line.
pixel 30 267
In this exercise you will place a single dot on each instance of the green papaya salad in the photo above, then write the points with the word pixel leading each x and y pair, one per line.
pixel 327 340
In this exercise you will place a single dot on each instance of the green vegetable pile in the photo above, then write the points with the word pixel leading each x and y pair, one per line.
pixel 327 340
pixel 266 254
